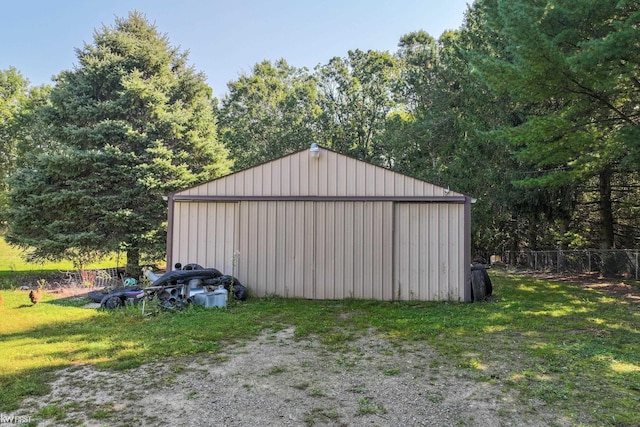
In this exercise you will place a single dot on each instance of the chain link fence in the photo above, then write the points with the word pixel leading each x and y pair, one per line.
pixel 607 262
pixel 95 278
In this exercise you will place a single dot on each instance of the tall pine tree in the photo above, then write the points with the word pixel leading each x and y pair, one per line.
pixel 130 123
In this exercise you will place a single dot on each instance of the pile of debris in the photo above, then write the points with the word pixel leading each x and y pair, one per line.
pixel 185 285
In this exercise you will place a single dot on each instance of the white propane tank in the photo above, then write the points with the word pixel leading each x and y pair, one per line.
pixel 220 297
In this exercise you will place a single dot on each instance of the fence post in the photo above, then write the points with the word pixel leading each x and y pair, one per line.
pixel 589 257
pixel 636 266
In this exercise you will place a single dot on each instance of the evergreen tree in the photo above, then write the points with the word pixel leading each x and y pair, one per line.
pixel 130 123
pixel 577 61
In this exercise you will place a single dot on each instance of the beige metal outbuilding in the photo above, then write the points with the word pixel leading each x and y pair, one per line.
pixel 327 227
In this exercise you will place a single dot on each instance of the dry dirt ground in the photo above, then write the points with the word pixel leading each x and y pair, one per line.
pixel 277 380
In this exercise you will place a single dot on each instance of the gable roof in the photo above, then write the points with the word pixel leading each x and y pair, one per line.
pixel 332 176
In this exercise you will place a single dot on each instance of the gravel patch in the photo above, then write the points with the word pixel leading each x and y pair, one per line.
pixel 276 380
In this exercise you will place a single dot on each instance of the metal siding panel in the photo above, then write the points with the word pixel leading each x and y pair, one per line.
pixel 358 250
pixel 291 208
pixel 330 271
pixel 189 227
pixel 178 224
pixel 271 251
pixel 313 173
pixel 289 175
pixel 380 175
pixel 280 226
pixel 341 176
pixel 258 180
pixel 458 250
pixel 285 176
pixel 303 174
pixel 426 228
pixel 389 183
pixel 443 246
pixel 443 289
pixel 248 182
pixel 238 185
pixel 267 186
pixel 330 175
pixel 262 248
pixel 350 177
pixel 349 278
pixel 369 175
pixel 387 254
pixel 243 247
pixel 339 259
pixel 244 265
pixel 298 282
pixel 309 250
pixel 321 244
pixel 275 179
pixel 215 251
pixel 252 246
pixel 399 186
pixel 376 230
pixel 295 176
pixel 321 165
pixel 368 250
pixel 410 251
pixel 434 255
pixel 425 252
pixel 228 255
pixel 229 186
pixel 400 250
pixel 202 228
pixel 182 236
pixel 202 236
pixel 361 178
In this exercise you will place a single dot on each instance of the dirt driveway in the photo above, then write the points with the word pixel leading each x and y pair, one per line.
pixel 276 380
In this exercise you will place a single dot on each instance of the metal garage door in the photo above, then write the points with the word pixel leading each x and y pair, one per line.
pixel 320 250
pixel 427 262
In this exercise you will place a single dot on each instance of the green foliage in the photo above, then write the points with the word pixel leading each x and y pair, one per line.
pixel 268 114
pixel 132 123
pixel 22 133
pixel 575 64
pixel 355 99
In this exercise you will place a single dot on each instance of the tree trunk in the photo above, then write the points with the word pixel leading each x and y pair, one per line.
pixel 515 241
pixel 606 210
pixel 533 234
pixel 133 262
pixel 563 229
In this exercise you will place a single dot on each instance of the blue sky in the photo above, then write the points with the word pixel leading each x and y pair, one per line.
pixel 225 38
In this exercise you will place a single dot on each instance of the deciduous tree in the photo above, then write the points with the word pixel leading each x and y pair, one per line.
pixel 356 99
pixel 269 113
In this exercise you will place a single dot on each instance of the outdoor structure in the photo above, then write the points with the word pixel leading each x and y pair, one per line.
pixel 321 225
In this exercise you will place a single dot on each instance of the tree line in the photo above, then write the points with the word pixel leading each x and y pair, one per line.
pixel 531 107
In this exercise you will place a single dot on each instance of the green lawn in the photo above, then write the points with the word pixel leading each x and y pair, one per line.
pixel 574 349
pixel 12 262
